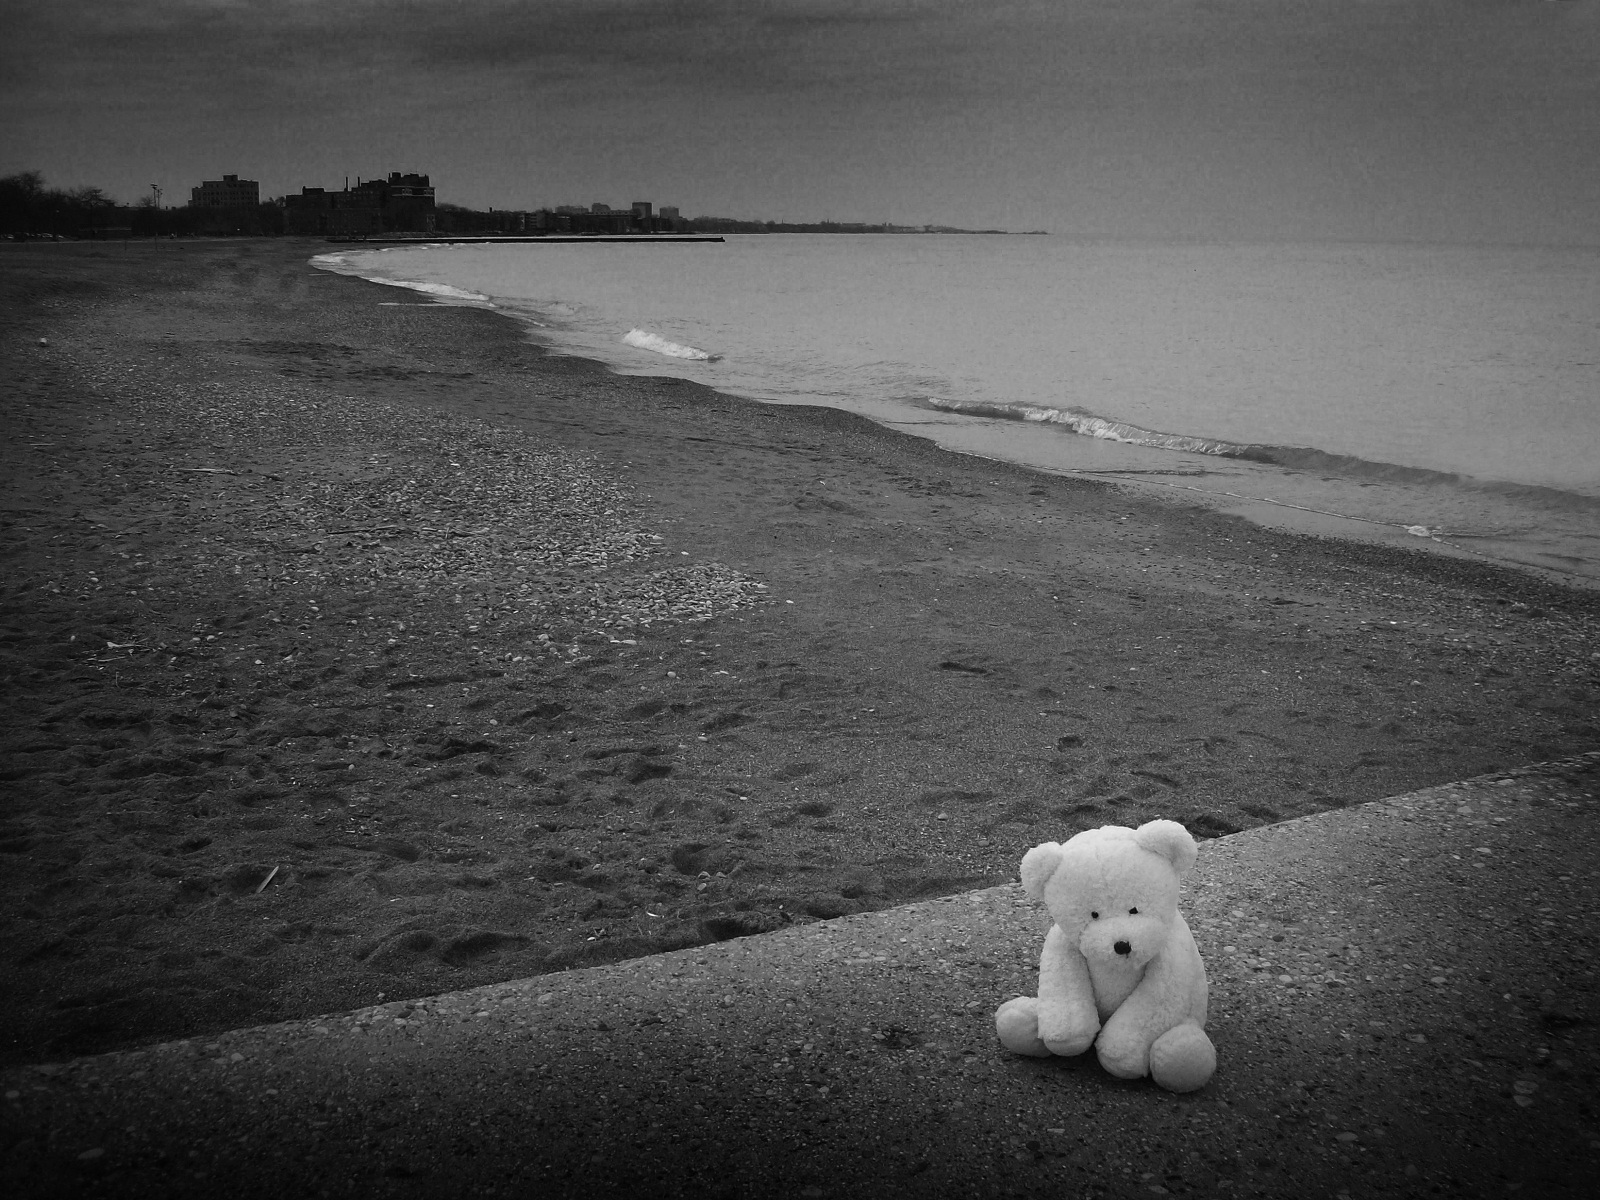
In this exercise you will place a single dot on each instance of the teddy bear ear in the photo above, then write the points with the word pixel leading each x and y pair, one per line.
pixel 1038 865
pixel 1170 840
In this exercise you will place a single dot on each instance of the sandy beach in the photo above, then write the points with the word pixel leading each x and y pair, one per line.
pixel 357 650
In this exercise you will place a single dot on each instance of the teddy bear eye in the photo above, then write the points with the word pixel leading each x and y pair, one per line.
pixel 1133 912
pixel 1094 916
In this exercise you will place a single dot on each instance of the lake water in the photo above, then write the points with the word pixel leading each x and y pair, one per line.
pixel 1444 397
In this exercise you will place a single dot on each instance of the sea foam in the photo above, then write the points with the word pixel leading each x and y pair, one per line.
pixel 643 339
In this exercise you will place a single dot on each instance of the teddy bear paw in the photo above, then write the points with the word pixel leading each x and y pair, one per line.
pixel 1017 1023
pixel 1183 1059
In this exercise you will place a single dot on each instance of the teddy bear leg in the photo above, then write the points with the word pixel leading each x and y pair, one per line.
pixel 1017 1023
pixel 1125 1057
pixel 1183 1058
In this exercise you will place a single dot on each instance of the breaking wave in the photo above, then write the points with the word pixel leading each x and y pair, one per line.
pixel 1298 458
pixel 1082 421
pixel 442 290
pixel 340 264
pixel 643 339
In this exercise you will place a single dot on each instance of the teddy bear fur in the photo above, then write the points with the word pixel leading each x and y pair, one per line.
pixel 1120 970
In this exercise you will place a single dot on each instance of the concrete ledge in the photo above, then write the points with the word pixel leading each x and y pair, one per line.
pixel 1403 1001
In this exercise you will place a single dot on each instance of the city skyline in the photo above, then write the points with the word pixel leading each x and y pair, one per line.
pixel 1472 120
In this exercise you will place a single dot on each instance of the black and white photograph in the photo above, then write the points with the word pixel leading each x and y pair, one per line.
pixel 813 599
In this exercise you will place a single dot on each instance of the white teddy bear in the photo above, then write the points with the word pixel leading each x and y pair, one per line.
pixel 1120 970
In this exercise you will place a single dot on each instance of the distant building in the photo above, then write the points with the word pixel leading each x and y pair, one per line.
pixel 228 192
pixel 316 210
pixel 639 217
pixel 453 219
pixel 398 204
pixel 406 202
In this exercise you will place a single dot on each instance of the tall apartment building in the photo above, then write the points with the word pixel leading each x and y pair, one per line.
pixel 228 192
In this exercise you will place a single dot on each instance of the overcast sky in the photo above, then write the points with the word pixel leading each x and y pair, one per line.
pixel 1449 120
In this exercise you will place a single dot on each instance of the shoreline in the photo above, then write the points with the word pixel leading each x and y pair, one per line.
pixel 1540 527
pixel 278 750
pixel 1309 523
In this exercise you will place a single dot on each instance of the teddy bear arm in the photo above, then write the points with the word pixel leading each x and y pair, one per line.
pixel 1068 1021
pixel 1171 986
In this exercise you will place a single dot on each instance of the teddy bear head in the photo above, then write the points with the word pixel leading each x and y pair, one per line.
pixel 1113 890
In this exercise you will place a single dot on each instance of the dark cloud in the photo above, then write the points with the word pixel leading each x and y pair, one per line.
pixel 938 51
pixel 289 43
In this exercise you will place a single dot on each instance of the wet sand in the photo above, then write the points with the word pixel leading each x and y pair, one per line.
pixel 357 650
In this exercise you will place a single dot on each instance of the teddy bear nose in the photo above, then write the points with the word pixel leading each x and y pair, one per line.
pixel 1123 948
